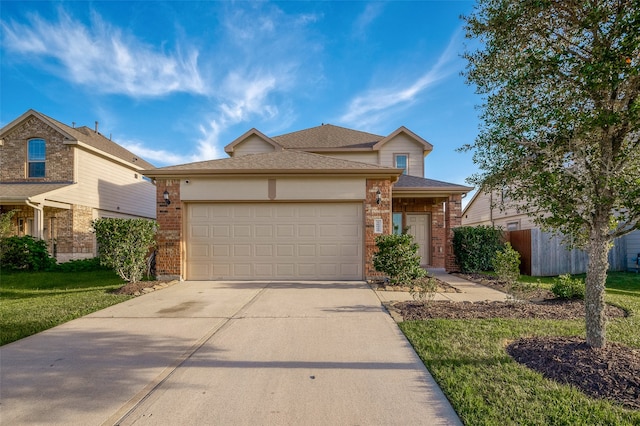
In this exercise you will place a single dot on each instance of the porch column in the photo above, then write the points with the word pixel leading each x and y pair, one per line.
pixel 38 221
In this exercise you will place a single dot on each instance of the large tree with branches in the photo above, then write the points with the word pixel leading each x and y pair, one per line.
pixel 561 120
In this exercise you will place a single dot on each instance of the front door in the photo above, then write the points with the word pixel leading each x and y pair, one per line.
pixel 419 225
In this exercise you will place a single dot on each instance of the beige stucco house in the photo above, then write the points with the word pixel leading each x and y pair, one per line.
pixel 59 178
pixel 304 205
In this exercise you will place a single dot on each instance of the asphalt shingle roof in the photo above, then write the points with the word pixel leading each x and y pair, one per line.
pixel 415 182
pixel 19 190
pixel 327 136
pixel 278 161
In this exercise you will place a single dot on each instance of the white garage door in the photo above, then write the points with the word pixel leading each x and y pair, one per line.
pixel 289 241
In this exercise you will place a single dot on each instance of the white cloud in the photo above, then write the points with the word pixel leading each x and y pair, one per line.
pixel 102 57
pixel 261 55
pixel 376 103
pixel 370 13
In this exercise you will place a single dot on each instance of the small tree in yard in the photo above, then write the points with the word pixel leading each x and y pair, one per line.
pixel 561 116
pixel 398 257
pixel 123 244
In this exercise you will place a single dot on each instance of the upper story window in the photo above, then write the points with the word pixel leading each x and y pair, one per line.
pixel 36 155
pixel 402 162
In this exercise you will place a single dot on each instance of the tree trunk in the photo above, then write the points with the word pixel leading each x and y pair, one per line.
pixel 599 247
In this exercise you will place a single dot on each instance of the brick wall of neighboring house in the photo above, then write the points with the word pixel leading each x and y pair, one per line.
pixel 433 206
pixel 59 157
pixel 169 236
pixel 68 233
pixel 373 211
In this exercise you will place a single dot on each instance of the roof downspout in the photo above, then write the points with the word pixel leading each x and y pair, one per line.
pixel 38 222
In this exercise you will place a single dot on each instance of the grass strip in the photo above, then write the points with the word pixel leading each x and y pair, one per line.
pixel 31 302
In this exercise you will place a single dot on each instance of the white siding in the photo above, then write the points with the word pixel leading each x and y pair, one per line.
pixel 402 144
pixel 110 187
pixel 252 145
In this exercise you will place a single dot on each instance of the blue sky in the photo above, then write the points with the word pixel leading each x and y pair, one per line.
pixel 177 81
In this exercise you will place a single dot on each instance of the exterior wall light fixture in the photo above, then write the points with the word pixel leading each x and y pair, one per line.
pixel 378 197
pixel 165 195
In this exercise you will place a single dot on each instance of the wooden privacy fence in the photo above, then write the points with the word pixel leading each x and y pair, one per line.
pixel 543 254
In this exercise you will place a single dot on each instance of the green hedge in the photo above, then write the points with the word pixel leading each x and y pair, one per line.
pixel 476 246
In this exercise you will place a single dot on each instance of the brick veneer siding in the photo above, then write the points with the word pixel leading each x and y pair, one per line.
pixel 453 219
pixel 169 237
pixel 58 160
pixel 373 211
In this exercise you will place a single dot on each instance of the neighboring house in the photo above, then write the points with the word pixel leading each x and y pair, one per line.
pixel 58 179
pixel 545 254
pixel 484 209
pixel 304 205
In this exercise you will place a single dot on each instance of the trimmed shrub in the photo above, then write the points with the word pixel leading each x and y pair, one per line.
pixel 565 287
pixel 25 253
pixel 475 247
pixel 506 264
pixel 398 257
pixel 124 245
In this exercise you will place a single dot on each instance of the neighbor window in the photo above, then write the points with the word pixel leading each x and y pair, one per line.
pixel 513 226
pixel 402 162
pixel 36 154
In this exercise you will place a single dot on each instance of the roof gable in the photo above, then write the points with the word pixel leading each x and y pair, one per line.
pixel 230 148
pixel 426 146
pixel 85 136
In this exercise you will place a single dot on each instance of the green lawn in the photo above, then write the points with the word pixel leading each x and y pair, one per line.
pixel 486 387
pixel 31 302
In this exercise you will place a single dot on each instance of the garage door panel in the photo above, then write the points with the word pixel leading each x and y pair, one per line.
pixel 275 241
pixel 263 231
pixel 240 231
pixel 242 250
pixel 263 269
pixel 285 231
pixel 265 250
pixel 221 231
pixel 306 250
pixel 285 270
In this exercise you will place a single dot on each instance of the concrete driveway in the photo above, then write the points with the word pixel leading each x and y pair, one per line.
pixel 225 353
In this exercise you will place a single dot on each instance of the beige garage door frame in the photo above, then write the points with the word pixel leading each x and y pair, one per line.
pixel 275 240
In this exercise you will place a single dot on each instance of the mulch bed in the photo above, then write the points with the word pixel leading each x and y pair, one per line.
pixel 611 373
pixel 142 287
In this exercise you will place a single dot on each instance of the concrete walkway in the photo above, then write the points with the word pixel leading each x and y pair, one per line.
pixel 303 353
pixel 470 292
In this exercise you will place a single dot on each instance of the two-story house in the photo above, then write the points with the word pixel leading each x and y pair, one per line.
pixel 304 205
pixel 59 178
